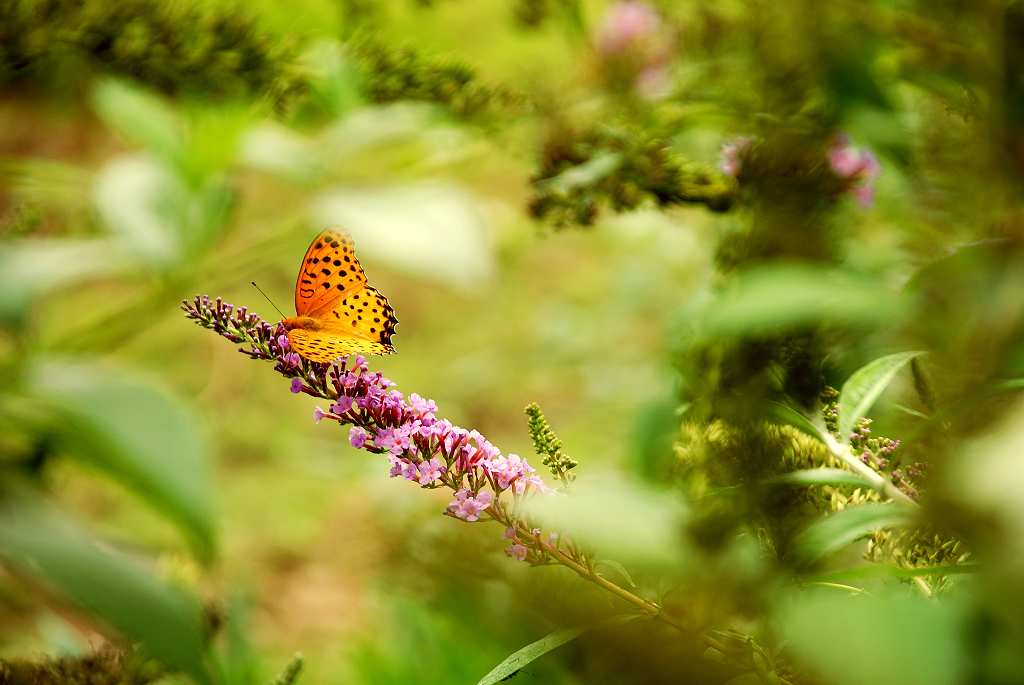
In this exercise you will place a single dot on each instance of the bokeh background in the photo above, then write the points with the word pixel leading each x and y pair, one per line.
pixel 535 186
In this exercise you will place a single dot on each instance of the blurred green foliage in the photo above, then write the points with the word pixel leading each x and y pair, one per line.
pixel 168 512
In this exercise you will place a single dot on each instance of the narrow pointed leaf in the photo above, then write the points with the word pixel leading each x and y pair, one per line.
pixel 823 476
pixel 137 433
pixel 44 543
pixel 791 417
pixel 832 533
pixel 520 658
pixel 862 389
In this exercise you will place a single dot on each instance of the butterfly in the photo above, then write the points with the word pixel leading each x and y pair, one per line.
pixel 337 313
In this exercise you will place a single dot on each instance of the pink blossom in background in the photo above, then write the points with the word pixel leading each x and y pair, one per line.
pixel 730 161
pixel 858 166
pixel 626 26
pixel 635 47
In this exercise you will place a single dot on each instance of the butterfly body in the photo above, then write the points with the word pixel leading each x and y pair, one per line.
pixel 307 323
pixel 337 313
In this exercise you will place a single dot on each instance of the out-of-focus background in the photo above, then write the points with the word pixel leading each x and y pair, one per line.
pixel 540 189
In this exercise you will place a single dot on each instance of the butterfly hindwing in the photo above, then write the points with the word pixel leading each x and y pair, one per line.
pixel 363 314
pixel 329 271
pixel 326 346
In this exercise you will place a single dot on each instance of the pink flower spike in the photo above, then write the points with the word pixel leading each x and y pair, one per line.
pixel 296 386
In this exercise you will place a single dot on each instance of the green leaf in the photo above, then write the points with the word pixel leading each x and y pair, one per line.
pixel 333 78
pixel 791 417
pixel 862 389
pixel 832 533
pixel 520 658
pixel 434 230
pixel 142 204
pixel 31 268
pixel 874 570
pixel 618 518
pixel 46 544
pixel 770 299
pixel 823 476
pixel 892 639
pixel 141 118
pixel 136 432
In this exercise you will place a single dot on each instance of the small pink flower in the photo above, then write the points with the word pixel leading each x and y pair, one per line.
pixel 509 470
pixel 517 551
pixel 357 437
pixel 430 471
pixel 282 342
pixel 530 482
pixel 318 414
pixel 467 507
pixel 342 406
pixel 296 386
pixel 422 406
pixel 510 533
pixel 395 440
pixel 402 467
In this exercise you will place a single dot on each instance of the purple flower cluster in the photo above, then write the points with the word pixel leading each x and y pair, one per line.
pixel 633 43
pixel 857 168
pixel 420 447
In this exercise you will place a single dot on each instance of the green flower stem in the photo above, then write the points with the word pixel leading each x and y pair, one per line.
pixel 883 485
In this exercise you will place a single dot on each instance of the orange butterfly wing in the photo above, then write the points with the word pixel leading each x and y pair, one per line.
pixel 353 318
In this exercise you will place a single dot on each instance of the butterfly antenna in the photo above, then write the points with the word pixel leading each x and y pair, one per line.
pixel 283 315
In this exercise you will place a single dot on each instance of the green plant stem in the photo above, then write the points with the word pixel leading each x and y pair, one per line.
pixel 648 607
pixel 880 483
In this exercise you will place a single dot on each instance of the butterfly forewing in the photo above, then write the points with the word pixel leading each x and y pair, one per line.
pixel 329 270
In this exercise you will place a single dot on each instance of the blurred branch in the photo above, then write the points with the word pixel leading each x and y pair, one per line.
pixel 108 666
pixel 582 171
pixel 291 672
